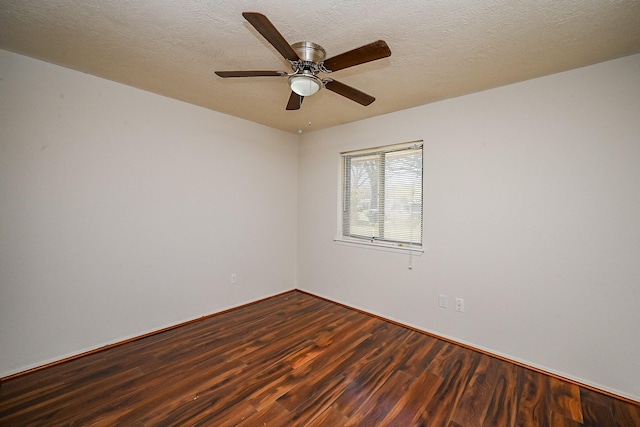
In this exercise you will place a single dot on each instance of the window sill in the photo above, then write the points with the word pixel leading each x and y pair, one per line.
pixel 379 246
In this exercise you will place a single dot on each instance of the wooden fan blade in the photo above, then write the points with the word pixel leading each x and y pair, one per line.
pixel 226 74
pixel 367 53
pixel 349 92
pixel 295 101
pixel 271 34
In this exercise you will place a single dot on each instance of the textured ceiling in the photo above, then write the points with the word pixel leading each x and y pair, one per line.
pixel 440 48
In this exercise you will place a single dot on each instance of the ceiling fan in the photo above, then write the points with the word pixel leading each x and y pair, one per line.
pixel 307 60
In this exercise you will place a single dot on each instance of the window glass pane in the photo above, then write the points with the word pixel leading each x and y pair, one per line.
pixel 403 197
pixel 382 195
pixel 365 196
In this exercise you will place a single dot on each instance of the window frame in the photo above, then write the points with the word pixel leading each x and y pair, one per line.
pixel 344 201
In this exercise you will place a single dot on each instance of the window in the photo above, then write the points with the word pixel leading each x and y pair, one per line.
pixel 382 196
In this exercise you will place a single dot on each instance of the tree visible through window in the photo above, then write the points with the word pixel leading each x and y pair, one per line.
pixel 382 195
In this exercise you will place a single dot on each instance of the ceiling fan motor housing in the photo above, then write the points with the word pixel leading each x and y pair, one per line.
pixel 309 51
pixel 304 82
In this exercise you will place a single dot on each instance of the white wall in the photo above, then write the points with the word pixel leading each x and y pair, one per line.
pixel 122 212
pixel 532 215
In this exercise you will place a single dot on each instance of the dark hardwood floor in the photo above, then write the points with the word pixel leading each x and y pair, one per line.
pixel 297 360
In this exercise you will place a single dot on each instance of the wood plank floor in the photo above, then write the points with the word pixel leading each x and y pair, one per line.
pixel 297 360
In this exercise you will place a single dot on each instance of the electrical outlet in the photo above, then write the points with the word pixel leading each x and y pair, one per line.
pixel 234 278
pixel 459 304
pixel 442 301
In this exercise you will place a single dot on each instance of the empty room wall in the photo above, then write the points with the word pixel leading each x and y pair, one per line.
pixel 122 212
pixel 532 215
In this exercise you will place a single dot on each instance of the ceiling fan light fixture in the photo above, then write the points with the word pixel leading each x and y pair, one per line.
pixel 305 84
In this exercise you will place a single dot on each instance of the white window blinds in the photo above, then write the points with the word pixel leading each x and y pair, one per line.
pixel 382 195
